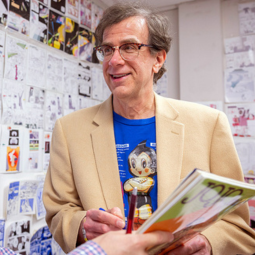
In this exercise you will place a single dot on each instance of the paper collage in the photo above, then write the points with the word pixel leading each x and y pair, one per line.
pixel 86 13
pixel 72 9
pixel 18 237
pixel 4 9
pixel 242 119
pixel 71 37
pixel 56 30
pixel 247 18
pixel 39 17
pixel 19 16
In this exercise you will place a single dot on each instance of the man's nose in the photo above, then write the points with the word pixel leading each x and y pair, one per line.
pixel 116 58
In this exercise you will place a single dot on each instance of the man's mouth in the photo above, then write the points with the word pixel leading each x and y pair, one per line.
pixel 117 76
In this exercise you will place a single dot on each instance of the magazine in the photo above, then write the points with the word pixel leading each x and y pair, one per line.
pixel 200 200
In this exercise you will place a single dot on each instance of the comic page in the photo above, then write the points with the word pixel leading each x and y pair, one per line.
pixel 40 209
pixel 84 80
pixel 86 13
pixel 56 31
pixel 106 90
pixel 34 98
pixel 94 57
pixel 11 148
pixel 85 102
pixel 16 59
pixel 70 77
pixel 247 18
pixel 242 119
pixel 2 51
pixel 239 60
pixel 246 151
pixel 54 71
pixel 97 14
pixel 4 9
pixel 46 150
pixel 2 228
pixel 97 83
pixel 33 144
pixel 13 97
pixel 39 23
pixel 59 5
pixel 70 103
pixel 71 37
pixel 239 84
pixel 19 15
pixel 53 109
pixel 239 44
pixel 72 9
pixel 41 242
pixel 85 45
pixel 13 199
pixel 18 238
pixel 36 66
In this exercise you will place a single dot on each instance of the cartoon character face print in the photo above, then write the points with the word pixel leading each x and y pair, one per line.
pixel 142 161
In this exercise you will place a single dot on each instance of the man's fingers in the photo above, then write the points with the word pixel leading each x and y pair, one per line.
pixel 104 217
pixel 115 211
pixel 157 237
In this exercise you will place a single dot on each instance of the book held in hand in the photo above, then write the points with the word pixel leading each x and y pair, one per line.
pixel 200 200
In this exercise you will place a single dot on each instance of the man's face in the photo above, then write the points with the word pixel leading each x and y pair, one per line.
pixel 138 73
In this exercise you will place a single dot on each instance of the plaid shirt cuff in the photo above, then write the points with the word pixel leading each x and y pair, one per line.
pixel 88 248
pixel 6 251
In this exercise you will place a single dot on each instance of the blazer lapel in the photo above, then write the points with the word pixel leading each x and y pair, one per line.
pixel 106 157
pixel 170 139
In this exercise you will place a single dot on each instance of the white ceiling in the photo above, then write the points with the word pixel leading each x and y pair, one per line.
pixel 159 5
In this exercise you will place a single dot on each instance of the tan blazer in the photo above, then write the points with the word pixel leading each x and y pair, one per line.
pixel 83 171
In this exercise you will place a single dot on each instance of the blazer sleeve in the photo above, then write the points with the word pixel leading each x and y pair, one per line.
pixel 64 211
pixel 232 234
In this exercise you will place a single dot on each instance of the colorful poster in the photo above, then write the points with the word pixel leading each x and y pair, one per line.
pixel 4 9
pixel 59 5
pixel 56 31
pixel 72 9
pixel 85 45
pixel 34 152
pixel 71 37
pixel 39 23
pixel 16 59
pixel 251 202
pixel 239 85
pixel 242 119
pixel 247 18
pixel 94 43
pixel 85 13
pixel 19 15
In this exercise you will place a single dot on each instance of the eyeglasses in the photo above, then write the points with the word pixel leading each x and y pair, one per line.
pixel 128 51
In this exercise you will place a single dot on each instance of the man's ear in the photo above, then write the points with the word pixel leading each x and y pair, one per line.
pixel 159 60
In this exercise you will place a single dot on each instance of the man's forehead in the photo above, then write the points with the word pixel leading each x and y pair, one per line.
pixel 127 30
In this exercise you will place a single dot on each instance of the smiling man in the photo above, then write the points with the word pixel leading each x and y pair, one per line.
pixel 137 139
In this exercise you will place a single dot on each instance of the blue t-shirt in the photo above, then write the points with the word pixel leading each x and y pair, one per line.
pixel 136 152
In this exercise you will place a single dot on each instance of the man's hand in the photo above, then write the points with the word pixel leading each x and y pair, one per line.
pixel 118 243
pixel 99 222
pixel 198 245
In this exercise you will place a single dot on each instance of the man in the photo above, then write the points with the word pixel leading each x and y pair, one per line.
pixel 137 138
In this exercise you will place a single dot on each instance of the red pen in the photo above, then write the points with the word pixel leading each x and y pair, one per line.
pixel 131 213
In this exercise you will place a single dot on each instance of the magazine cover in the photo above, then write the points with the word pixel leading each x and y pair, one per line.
pixel 200 200
pixel 71 37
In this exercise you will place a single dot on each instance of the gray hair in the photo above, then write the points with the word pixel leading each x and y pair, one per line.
pixel 159 36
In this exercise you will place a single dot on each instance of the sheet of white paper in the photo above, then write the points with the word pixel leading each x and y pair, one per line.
pixel 247 18
pixel 239 44
pixel 240 60
pixel 97 83
pixel 70 77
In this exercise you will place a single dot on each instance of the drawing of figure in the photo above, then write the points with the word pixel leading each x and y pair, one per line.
pixel 143 166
